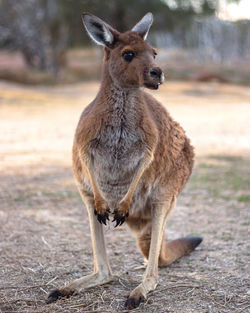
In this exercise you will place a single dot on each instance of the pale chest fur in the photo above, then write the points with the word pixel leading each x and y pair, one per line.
pixel 118 147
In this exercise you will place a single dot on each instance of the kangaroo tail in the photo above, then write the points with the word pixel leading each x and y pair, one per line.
pixel 175 249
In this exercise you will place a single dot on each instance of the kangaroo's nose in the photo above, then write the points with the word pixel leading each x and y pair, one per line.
pixel 155 72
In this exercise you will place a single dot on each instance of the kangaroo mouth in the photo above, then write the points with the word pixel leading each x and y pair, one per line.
pixel 152 85
pixel 153 82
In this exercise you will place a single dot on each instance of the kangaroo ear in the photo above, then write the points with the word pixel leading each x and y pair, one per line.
pixel 143 26
pixel 102 33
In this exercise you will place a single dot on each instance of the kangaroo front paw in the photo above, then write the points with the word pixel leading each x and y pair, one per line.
pixel 121 212
pixel 102 218
pixel 119 219
pixel 101 211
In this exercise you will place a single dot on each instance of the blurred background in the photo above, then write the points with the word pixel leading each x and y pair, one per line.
pixel 43 41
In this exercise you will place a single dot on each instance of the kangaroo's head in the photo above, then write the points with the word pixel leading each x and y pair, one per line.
pixel 129 59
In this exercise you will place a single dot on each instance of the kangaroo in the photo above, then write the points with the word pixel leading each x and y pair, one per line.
pixel 130 158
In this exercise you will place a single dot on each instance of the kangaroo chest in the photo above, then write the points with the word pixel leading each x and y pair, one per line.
pixel 119 143
pixel 118 147
pixel 119 138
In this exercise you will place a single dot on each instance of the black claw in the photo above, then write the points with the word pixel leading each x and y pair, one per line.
pixel 99 218
pixel 102 218
pixel 53 296
pixel 122 220
pixel 119 219
pixel 132 303
pixel 117 223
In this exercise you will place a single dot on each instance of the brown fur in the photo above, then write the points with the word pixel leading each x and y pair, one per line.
pixel 131 160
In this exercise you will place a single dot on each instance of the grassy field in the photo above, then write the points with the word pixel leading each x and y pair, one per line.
pixel 45 238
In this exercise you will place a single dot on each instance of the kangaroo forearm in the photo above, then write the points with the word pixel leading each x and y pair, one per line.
pixel 141 169
pixel 86 160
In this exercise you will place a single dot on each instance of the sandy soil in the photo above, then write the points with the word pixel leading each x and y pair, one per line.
pixel 45 239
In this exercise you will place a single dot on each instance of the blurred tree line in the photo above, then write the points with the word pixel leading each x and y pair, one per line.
pixel 43 29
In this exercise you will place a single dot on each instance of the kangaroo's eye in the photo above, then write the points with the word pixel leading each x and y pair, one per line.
pixel 128 56
pixel 155 54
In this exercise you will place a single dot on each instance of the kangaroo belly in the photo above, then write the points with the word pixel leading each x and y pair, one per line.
pixel 114 174
pixel 114 186
pixel 116 156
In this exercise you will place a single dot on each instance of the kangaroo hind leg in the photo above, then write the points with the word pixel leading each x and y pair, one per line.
pixel 149 239
pixel 101 274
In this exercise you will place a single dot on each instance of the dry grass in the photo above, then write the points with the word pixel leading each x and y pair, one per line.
pixel 45 240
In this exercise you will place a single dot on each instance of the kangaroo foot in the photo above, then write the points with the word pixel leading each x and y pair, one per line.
pixel 78 286
pixel 139 294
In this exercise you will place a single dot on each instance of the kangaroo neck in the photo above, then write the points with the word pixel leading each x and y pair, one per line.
pixel 114 95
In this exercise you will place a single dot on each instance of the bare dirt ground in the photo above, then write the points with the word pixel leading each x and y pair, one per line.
pixel 44 232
